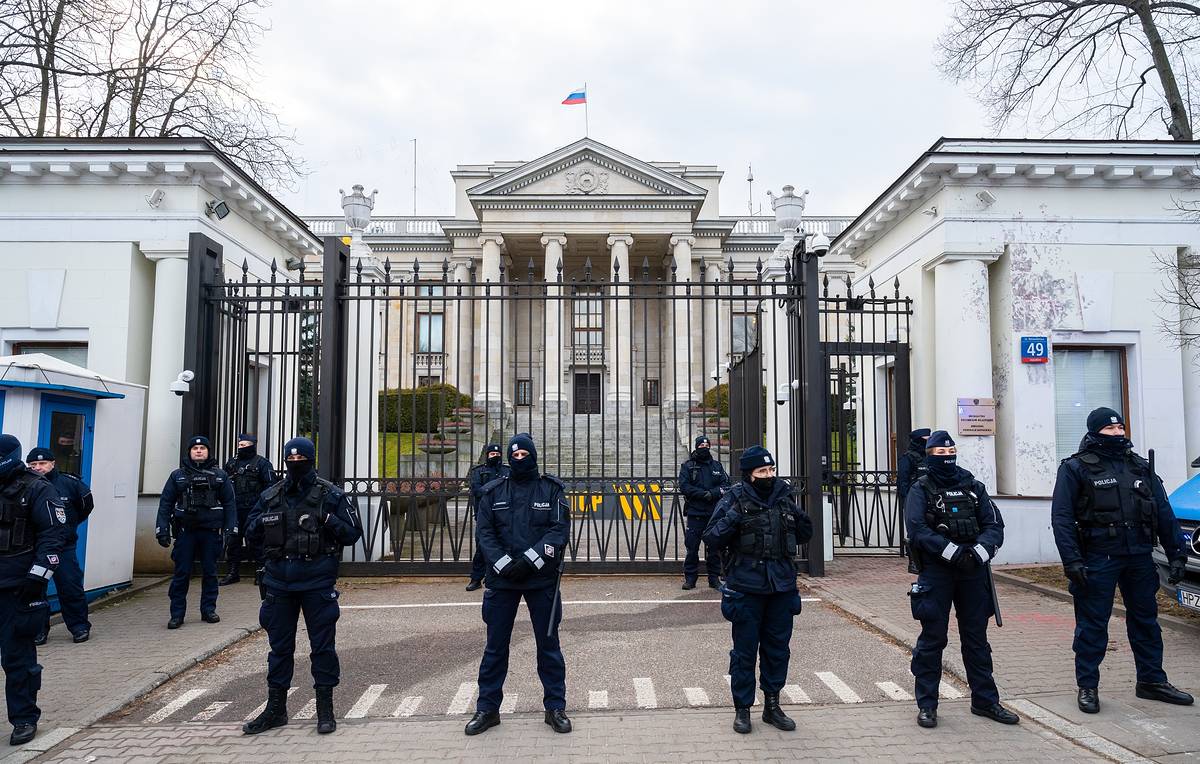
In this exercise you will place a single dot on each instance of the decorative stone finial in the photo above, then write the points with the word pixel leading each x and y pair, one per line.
pixel 789 208
pixel 357 208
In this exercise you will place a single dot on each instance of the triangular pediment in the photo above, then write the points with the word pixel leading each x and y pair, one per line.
pixel 586 168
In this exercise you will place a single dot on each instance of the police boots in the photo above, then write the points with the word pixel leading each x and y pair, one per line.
pixel 325 721
pixel 741 720
pixel 774 715
pixel 274 715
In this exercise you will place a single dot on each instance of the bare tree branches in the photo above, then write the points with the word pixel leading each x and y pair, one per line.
pixel 1179 313
pixel 1116 68
pixel 132 68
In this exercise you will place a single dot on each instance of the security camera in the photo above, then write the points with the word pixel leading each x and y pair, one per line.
pixel 987 197
pixel 180 385
pixel 292 262
pixel 783 393
pixel 218 209
pixel 156 198
pixel 930 211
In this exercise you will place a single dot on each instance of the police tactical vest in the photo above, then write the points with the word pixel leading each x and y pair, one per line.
pixel 952 512
pixel 246 480
pixel 768 533
pixel 1115 499
pixel 201 492
pixel 16 515
pixel 296 531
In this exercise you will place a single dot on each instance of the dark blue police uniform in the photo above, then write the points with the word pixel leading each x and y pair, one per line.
pixel 523 528
pixel 479 476
pixel 702 482
pixel 251 474
pixel 911 464
pixel 1107 513
pixel 76 497
pixel 33 532
pixel 302 524
pixel 761 526
pixel 197 505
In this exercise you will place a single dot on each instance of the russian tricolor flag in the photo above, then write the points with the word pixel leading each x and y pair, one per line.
pixel 578 95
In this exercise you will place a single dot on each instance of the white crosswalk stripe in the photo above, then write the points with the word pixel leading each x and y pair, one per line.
pixel 696 696
pixel 893 691
pixel 795 694
pixel 175 705
pixel 840 688
pixel 948 691
pixel 212 710
pixel 409 705
pixel 643 688
pixel 308 711
pixel 263 707
pixel 363 705
pixel 509 703
pixel 597 698
pixel 462 698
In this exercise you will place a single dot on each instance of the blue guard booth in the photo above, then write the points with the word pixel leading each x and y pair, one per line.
pixel 93 425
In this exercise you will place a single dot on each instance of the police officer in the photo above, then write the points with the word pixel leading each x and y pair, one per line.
pixel 911 464
pixel 762 528
pixel 954 530
pixel 1108 510
pixel 702 481
pixel 302 523
pixel 479 476
pixel 524 524
pixel 250 473
pixel 75 495
pixel 197 503
pixel 33 532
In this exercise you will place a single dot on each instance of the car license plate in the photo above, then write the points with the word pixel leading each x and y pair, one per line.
pixel 1188 598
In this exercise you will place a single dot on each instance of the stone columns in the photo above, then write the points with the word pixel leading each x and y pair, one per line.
pixel 711 360
pixel 619 338
pixel 553 400
pixel 963 352
pixel 683 395
pixel 168 327
pixel 491 323
pixel 463 319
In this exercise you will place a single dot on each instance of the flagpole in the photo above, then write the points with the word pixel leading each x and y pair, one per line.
pixel 585 111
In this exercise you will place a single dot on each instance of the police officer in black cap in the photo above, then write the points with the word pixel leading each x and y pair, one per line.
pixel 75 495
pixel 1108 511
pixel 911 464
pixel 954 530
pixel 196 506
pixel 702 481
pixel 762 527
pixel 524 525
pixel 302 523
pixel 251 473
pixel 479 476
pixel 33 532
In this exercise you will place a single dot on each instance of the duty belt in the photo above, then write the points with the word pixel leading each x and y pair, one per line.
pixel 305 557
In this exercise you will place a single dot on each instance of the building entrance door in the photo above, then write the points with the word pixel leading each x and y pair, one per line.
pixel 587 393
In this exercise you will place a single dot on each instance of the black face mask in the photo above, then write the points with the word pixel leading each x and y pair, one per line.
pixel 702 455
pixel 247 452
pixel 493 461
pixel 942 467
pixel 1113 445
pixel 763 486
pixel 298 469
pixel 523 469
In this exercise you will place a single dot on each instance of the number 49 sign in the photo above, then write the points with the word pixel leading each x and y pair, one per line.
pixel 1035 350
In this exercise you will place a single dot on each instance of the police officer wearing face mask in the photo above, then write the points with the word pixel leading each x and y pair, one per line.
pixel 251 474
pixel 702 481
pixel 911 464
pixel 1107 513
pixel 479 476
pixel 196 506
pixel 302 523
pixel 33 533
pixel 524 524
pixel 762 527
pixel 954 530
pixel 75 495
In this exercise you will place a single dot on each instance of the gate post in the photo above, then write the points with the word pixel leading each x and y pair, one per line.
pixel 816 405
pixel 201 346
pixel 331 381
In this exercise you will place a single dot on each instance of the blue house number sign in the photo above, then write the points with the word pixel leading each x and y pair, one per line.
pixel 1035 350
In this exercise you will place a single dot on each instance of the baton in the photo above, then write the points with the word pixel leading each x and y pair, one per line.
pixel 557 595
pixel 995 596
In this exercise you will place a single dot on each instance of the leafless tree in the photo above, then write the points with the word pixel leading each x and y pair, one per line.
pixel 132 68
pixel 1099 68
pixel 1179 297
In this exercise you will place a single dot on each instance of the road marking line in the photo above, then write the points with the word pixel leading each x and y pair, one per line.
pixel 363 705
pixel 263 707
pixel 212 710
pixel 795 694
pixel 893 691
pixel 1080 735
pixel 643 688
pixel 462 698
pixel 415 605
pixel 175 705
pixel 409 705
pixel 840 688
pixel 948 691
pixel 597 698
pixel 309 710
pixel 509 703
pixel 696 696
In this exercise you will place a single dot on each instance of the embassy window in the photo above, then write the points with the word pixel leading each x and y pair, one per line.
pixel 1086 378
pixel 429 332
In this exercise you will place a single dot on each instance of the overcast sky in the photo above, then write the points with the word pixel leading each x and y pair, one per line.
pixel 836 97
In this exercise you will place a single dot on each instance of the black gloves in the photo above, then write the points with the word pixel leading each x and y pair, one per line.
pixel 1077 573
pixel 164 541
pixel 520 569
pixel 964 559
pixel 32 590
pixel 1176 570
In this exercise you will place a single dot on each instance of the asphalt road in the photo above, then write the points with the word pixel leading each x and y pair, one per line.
pixel 411 648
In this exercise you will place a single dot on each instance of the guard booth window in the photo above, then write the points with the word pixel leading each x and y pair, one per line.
pixel 1086 378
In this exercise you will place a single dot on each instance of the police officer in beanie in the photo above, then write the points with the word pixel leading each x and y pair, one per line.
pixel 702 481
pixel 954 530
pixel 251 473
pixel 33 532
pixel 523 528
pixel 911 464
pixel 75 495
pixel 1108 511
pixel 479 476
pixel 762 527
pixel 302 523
pixel 196 506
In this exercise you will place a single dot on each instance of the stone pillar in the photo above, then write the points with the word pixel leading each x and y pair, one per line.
pixel 491 324
pixel 620 336
pixel 553 400
pixel 711 351
pixel 963 353
pixel 683 396
pixel 777 376
pixel 464 320
pixel 168 326
pixel 1189 261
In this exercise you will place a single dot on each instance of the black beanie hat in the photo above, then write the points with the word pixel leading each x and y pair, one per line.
pixel 939 439
pixel 1103 417
pixel 522 441
pixel 198 440
pixel 754 457
pixel 701 439
pixel 8 444
pixel 247 436
pixel 490 447
pixel 40 454
pixel 300 447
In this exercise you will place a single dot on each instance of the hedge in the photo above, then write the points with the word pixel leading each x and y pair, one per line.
pixel 418 410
